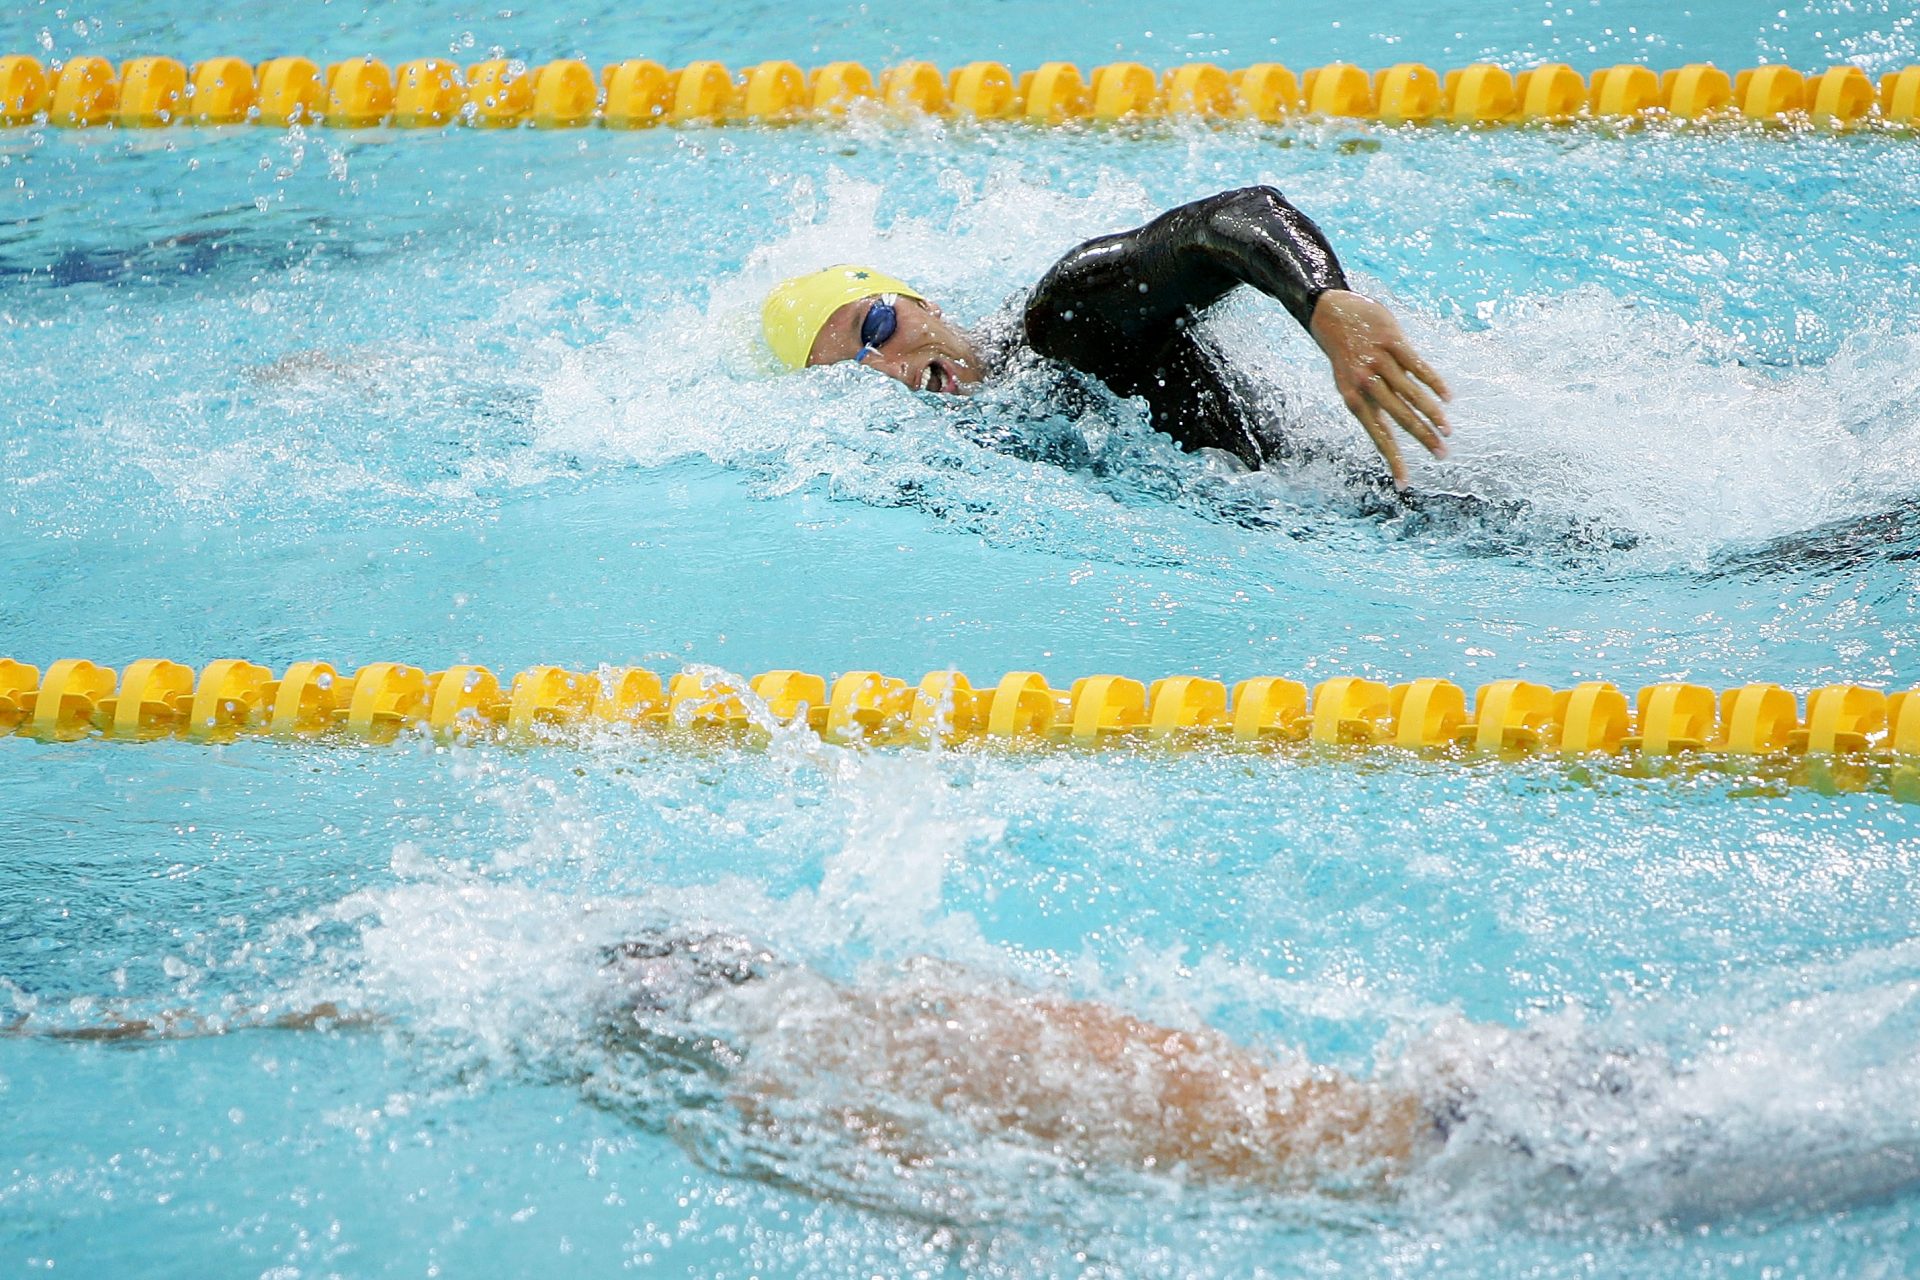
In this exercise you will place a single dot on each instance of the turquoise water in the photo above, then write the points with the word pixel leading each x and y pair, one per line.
pixel 498 397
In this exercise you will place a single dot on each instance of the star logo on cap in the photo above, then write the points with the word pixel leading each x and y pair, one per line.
pixel 861 275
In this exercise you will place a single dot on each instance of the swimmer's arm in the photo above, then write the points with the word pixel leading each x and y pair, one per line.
pixel 759 1100
pixel 1382 380
pixel 1073 1073
pixel 1143 286
pixel 183 1025
pixel 1118 300
pixel 1324 1121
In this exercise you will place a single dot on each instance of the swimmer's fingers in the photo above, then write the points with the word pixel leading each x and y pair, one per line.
pixel 1423 403
pixel 118 1029
pixel 1387 403
pixel 1389 391
pixel 325 1016
pixel 1419 368
pixel 1382 435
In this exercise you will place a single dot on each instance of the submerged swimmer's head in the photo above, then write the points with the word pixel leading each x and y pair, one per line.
pixel 855 313
pixel 667 972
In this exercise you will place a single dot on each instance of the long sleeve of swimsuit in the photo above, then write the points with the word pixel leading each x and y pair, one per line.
pixel 1122 307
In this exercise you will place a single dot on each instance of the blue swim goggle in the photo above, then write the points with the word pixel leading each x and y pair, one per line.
pixel 878 326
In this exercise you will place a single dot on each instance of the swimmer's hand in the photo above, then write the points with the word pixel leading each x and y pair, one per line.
pixel 1381 377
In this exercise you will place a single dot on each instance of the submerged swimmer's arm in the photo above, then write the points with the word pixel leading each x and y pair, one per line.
pixel 1223 1109
pixel 1089 1081
pixel 1114 304
pixel 762 1103
pixel 185 1025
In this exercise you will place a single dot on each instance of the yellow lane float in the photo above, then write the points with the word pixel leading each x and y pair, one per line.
pixel 229 699
pixel 358 93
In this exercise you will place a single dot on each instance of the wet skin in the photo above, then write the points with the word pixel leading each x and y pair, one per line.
pixel 926 351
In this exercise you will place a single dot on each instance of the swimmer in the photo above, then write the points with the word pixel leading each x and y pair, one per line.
pixel 1122 309
pixel 1086 1081
pixel 918 1091
pixel 790 1053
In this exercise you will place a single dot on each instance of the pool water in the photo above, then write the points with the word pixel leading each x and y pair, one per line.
pixel 499 397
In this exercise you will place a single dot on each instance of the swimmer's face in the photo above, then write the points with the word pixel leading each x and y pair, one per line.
pixel 925 351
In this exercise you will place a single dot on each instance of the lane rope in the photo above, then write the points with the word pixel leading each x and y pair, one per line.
pixel 231 698
pixel 358 93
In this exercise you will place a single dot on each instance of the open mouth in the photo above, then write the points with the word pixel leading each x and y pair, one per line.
pixel 938 378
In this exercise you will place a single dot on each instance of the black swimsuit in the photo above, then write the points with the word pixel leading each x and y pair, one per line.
pixel 1122 308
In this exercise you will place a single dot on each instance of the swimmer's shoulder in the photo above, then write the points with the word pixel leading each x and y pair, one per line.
pixel 1002 336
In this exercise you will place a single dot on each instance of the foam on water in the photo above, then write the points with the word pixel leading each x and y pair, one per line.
pixel 1792 1101
pixel 481 953
pixel 1800 1098
pixel 1782 1089
pixel 1656 413
pixel 1584 411
pixel 500 397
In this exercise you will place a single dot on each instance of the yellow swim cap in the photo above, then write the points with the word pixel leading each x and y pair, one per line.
pixel 797 309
